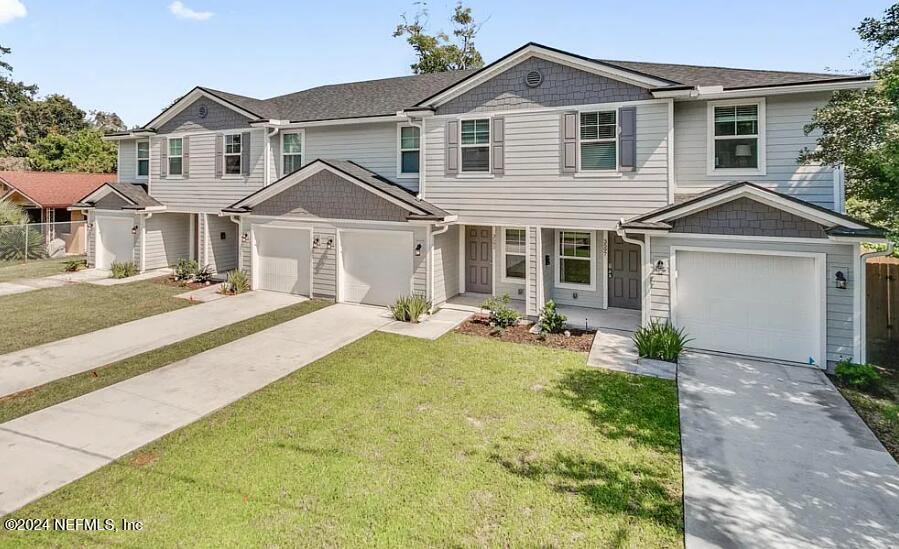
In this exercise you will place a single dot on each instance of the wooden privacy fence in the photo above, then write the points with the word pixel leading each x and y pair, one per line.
pixel 883 301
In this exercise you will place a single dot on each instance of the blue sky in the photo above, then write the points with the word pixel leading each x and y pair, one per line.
pixel 135 56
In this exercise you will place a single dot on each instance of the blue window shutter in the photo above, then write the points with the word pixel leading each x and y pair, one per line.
pixel 498 136
pixel 245 153
pixel 627 138
pixel 452 147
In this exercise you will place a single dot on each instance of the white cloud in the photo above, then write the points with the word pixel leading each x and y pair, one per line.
pixel 11 9
pixel 181 11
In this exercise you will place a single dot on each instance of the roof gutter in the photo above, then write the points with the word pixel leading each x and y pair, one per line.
pixel 719 92
pixel 644 255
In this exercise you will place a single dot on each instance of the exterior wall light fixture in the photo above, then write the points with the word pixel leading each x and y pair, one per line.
pixel 134 229
pixel 330 243
pixel 840 280
pixel 245 237
pixel 418 250
pixel 316 242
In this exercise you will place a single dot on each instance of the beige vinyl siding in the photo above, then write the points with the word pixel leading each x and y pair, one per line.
pixel 373 146
pixel 202 191
pixel 446 265
pixel 324 263
pixel 532 190
pixel 167 239
pixel 222 254
pixel 127 162
pixel 786 115
pixel 840 329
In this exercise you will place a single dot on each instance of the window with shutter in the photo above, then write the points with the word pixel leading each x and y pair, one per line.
pixel 475 145
pixel 599 140
pixel 175 158
pixel 232 154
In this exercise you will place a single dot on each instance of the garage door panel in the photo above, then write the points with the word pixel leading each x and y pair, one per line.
pixel 283 259
pixel 376 266
pixel 114 240
pixel 752 304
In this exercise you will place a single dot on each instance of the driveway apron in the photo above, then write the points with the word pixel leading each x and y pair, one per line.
pixel 774 456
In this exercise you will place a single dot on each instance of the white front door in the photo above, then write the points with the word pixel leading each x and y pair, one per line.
pixel 114 240
pixel 750 304
pixel 282 259
pixel 375 266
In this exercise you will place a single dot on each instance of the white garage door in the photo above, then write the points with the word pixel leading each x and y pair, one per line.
pixel 283 259
pixel 114 240
pixel 758 305
pixel 375 266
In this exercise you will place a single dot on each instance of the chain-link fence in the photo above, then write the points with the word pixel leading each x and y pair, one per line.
pixel 36 241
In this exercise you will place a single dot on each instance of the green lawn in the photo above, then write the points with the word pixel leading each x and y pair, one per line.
pixel 31 400
pixel 51 314
pixel 394 441
pixel 33 269
pixel 881 410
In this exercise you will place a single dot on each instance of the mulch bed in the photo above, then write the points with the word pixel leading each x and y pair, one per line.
pixel 169 281
pixel 579 340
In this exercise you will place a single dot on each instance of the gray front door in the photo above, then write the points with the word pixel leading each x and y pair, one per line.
pixel 624 273
pixel 479 260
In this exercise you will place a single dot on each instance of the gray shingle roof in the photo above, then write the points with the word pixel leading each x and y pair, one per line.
pixel 135 193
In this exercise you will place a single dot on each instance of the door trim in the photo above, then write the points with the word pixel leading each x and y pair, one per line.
pixel 254 252
pixel 820 288
pixel 338 282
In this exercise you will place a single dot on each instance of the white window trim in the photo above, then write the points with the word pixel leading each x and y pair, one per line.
pixel 137 159
pixel 710 138
pixel 399 152
pixel 558 262
pixel 580 172
pixel 502 253
pixel 302 154
pixel 225 155
pixel 475 174
pixel 168 159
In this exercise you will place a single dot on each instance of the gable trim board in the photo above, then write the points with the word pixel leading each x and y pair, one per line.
pixel 187 99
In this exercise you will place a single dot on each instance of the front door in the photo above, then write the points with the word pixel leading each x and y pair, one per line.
pixel 624 273
pixel 479 260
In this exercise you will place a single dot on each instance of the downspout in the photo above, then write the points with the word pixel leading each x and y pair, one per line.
pixel 644 255
pixel 421 155
pixel 862 277
pixel 268 155
pixel 439 231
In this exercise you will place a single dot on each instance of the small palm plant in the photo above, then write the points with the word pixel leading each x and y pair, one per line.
pixel 410 308
pixel 123 269
pixel 660 340
pixel 236 283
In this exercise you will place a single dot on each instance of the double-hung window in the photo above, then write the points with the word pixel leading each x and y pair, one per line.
pixel 143 158
pixel 514 246
pixel 175 155
pixel 410 148
pixel 291 152
pixel 575 257
pixel 232 154
pixel 599 140
pixel 475 145
pixel 737 137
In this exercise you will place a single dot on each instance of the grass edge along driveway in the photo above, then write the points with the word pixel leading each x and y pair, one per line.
pixel 38 398
pixel 399 441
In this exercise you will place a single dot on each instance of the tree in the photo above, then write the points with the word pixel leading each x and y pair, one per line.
pixel 106 121
pixel 84 151
pixel 860 130
pixel 13 95
pixel 436 52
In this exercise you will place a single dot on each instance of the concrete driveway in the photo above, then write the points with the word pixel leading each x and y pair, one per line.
pixel 774 456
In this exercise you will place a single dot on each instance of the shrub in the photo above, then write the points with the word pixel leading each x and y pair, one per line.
pixel 236 283
pixel 203 274
pixel 410 308
pixel 501 314
pixel 12 214
pixel 660 340
pixel 21 242
pixel 857 376
pixel 73 265
pixel 185 269
pixel 123 269
pixel 551 320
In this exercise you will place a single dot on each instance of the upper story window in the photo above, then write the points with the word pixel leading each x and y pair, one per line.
pixel 598 140
pixel 574 266
pixel 291 152
pixel 475 145
pixel 737 137
pixel 175 156
pixel 232 154
pixel 410 149
pixel 143 158
pixel 514 259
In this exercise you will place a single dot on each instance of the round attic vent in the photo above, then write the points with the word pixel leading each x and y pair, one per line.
pixel 533 79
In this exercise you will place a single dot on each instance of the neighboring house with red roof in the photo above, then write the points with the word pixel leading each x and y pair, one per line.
pixel 47 195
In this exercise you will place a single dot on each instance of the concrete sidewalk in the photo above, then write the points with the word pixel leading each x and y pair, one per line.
pixel 35 366
pixel 55 446
pixel 775 457
pixel 22 285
